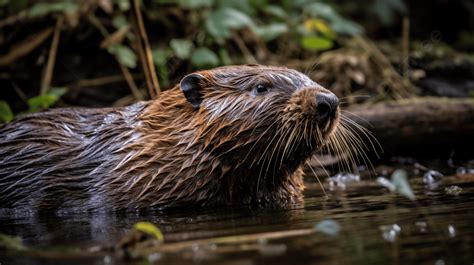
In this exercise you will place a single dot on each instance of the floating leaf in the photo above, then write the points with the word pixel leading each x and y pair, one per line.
pixel 220 22
pixel 328 227
pixel 400 182
pixel 6 113
pixel 181 48
pixel 44 8
pixel 150 229
pixel 316 43
pixel 124 55
pixel 11 243
pixel 203 57
pixel 270 32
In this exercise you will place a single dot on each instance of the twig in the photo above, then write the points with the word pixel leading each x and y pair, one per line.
pixel 13 19
pixel 133 87
pixel 240 239
pixel 146 56
pixel 126 73
pixel 245 51
pixel 19 92
pixel 405 46
pixel 48 74
pixel 100 81
pixel 25 47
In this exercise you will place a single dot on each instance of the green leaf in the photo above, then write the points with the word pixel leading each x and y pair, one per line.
pixel 150 229
pixel 275 11
pixel 337 23
pixel 328 227
pixel 161 56
pixel 315 43
pixel 203 57
pixel 44 8
pixel 400 182
pixel 195 4
pixel 321 10
pixel 120 21
pixel 57 91
pixel 123 5
pixel 6 113
pixel 343 26
pixel 220 22
pixel 270 32
pixel 8 242
pixel 182 48
pixel 124 55
pixel 4 2
pixel 41 102
pixel 224 57
pixel 386 10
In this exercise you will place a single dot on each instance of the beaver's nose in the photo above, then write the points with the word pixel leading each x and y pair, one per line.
pixel 326 104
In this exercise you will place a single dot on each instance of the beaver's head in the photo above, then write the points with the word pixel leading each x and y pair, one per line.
pixel 272 113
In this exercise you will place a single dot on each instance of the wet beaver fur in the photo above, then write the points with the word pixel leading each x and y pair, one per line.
pixel 233 135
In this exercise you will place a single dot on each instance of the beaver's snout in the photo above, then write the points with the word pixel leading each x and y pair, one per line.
pixel 326 105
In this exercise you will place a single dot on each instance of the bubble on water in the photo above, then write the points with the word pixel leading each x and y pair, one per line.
pixel 431 177
pixel 340 180
pixel 422 225
pixel 155 257
pixel 107 259
pixel 390 232
pixel 453 190
pixel 328 227
pixel 272 249
pixel 461 171
pixel 451 231
pixel 386 183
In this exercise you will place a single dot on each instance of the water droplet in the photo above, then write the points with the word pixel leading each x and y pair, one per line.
pixel 451 231
pixel 390 232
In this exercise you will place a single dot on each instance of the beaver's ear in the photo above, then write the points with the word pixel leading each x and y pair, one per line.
pixel 191 87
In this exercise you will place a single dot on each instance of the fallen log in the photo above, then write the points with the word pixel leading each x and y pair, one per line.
pixel 419 125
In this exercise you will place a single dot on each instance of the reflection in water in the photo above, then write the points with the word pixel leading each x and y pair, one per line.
pixel 376 227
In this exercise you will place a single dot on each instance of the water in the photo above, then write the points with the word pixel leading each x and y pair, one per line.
pixel 376 228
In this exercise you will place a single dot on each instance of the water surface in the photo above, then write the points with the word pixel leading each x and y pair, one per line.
pixel 377 227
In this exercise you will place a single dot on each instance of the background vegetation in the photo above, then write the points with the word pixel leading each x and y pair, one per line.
pixel 114 52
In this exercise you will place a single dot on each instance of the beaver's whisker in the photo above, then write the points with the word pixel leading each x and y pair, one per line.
pixel 314 172
pixel 367 133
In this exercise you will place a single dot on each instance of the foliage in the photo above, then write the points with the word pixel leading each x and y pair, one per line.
pixel 149 229
pixel 195 34
pixel 6 113
pixel 47 100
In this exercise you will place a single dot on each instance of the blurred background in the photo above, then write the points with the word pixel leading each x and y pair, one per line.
pixel 99 53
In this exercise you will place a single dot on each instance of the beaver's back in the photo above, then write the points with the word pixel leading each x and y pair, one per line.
pixel 52 159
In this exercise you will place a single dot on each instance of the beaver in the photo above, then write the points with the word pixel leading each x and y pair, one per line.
pixel 233 135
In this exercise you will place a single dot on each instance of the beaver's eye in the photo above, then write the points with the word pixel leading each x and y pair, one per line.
pixel 261 89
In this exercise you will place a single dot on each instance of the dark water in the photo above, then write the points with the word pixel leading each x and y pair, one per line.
pixel 376 228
